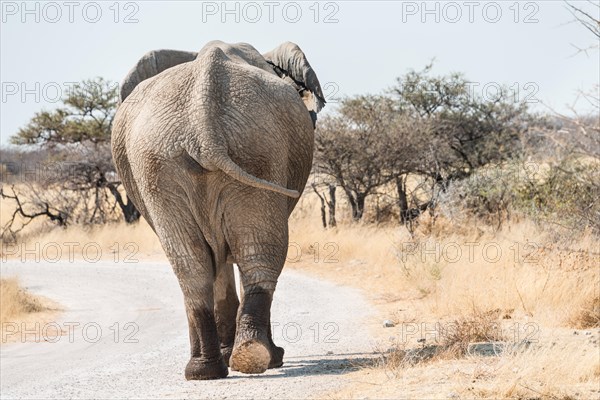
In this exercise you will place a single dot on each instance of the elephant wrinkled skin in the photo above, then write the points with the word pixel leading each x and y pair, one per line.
pixel 215 148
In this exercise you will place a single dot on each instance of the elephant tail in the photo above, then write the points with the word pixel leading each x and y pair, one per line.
pixel 227 165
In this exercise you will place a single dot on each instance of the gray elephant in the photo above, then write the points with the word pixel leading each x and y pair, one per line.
pixel 215 148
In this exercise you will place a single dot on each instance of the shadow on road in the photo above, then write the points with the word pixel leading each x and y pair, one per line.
pixel 338 364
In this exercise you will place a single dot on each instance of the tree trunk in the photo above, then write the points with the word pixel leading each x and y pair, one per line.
pixel 352 203
pixel 323 216
pixel 331 206
pixel 130 212
pixel 357 202
pixel 402 200
pixel 360 205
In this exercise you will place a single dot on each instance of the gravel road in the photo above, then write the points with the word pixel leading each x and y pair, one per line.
pixel 125 336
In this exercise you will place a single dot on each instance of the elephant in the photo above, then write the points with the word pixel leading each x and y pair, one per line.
pixel 215 148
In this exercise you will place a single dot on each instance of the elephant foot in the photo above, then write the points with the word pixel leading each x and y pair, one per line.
pixel 276 357
pixel 226 353
pixel 250 357
pixel 198 369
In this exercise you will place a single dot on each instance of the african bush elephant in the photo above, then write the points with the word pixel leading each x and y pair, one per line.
pixel 215 148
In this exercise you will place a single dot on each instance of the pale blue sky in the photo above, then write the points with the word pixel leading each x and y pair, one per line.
pixel 364 51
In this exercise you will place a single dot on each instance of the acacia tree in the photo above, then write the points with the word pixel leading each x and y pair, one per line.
pixel 327 200
pixel 465 130
pixel 431 126
pixel 352 147
pixel 454 130
pixel 80 132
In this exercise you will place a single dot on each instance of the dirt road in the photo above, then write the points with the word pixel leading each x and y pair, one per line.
pixel 125 336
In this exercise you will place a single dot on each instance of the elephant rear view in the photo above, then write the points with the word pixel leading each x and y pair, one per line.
pixel 215 148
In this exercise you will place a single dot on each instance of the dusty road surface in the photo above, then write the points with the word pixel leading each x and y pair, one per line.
pixel 125 336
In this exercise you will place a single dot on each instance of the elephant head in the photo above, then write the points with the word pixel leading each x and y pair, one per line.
pixel 290 63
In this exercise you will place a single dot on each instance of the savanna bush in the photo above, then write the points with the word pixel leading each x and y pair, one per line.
pixel 565 193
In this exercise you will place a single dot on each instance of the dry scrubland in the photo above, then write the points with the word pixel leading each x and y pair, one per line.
pixel 136 242
pixel 536 289
pixel 445 270
pixel 532 286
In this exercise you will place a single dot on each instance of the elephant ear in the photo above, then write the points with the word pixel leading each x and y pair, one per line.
pixel 153 63
pixel 290 63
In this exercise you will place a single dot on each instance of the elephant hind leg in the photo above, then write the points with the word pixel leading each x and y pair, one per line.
pixel 258 238
pixel 226 308
pixel 276 351
pixel 206 364
pixel 192 262
pixel 254 350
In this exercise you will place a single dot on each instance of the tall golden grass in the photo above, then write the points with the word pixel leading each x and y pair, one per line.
pixel 536 286
pixel 16 301
pixel 564 371
pixel 21 310
pixel 116 241
pixel 449 270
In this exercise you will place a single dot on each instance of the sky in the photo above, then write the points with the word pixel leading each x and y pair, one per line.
pixel 356 47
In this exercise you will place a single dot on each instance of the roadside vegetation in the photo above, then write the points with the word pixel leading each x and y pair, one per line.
pixel 16 301
pixel 21 309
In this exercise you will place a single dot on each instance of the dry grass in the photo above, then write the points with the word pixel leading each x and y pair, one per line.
pixel 115 241
pixel 521 284
pixel 476 334
pixel 564 371
pixel 449 271
pixel 20 310
pixel 588 316
pixel 456 336
pixel 16 301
